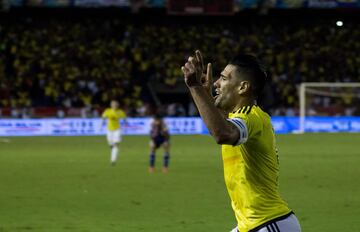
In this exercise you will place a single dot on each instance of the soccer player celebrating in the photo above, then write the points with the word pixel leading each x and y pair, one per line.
pixel 113 135
pixel 249 154
pixel 159 137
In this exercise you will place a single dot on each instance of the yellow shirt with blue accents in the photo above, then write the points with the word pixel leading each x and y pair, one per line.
pixel 113 117
pixel 251 170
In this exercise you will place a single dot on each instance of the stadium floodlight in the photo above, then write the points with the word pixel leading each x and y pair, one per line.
pixel 329 91
pixel 339 23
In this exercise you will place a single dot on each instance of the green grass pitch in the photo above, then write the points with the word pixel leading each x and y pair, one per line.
pixel 60 184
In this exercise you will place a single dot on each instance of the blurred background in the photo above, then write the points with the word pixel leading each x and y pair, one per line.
pixel 62 61
pixel 69 58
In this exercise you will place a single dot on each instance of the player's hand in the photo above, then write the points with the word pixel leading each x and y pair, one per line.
pixel 193 70
pixel 207 79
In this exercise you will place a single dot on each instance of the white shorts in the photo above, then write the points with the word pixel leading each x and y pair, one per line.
pixel 288 224
pixel 113 137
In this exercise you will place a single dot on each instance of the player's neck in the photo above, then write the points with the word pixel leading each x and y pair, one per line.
pixel 244 102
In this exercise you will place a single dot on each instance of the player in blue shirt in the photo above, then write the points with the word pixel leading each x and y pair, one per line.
pixel 160 136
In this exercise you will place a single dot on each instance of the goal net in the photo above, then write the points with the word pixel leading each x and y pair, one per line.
pixel 328 99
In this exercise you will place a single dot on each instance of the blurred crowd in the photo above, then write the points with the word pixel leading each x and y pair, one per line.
pixel 86 63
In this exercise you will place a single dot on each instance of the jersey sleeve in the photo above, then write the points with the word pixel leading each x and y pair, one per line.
pixel 122 114
pixel 105 114
pixel 243 131
pixel 248 124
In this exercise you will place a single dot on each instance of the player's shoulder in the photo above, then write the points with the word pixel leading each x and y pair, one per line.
pixel 252 113
pixel 121 111
pixel 106 110
pixel 248 111
pixel 243 112
pixel 253 118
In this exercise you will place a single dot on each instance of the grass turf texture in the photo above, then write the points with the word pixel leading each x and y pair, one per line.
pixel 63 184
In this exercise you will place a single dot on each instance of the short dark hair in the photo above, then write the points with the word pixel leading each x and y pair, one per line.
pixel 253 69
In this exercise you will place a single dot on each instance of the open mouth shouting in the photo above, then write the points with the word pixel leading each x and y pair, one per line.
pixel 217 93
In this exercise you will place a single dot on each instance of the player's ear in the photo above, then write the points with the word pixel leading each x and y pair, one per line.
pixel 243 87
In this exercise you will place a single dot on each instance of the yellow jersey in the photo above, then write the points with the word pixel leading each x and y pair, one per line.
pixel 113 117
pixel 251 170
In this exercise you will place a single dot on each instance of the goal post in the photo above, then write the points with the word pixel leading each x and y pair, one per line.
pixel 306 87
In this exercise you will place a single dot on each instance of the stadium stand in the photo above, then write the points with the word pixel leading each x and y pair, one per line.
pixel 55 66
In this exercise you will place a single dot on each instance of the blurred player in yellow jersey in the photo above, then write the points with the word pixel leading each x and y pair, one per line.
pixel 245 132
pixel 113 134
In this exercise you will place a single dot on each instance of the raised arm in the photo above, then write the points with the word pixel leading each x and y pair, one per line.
pixel 222 130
